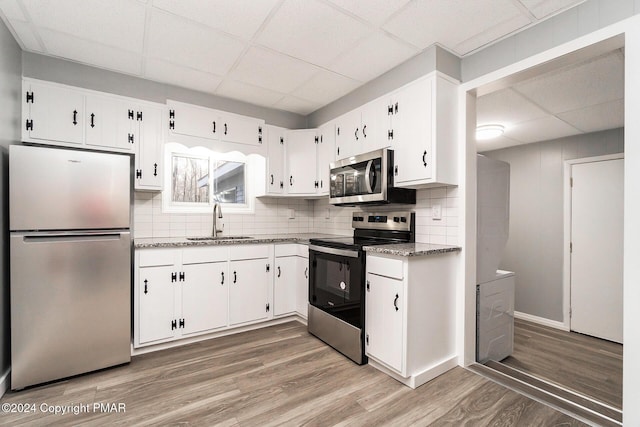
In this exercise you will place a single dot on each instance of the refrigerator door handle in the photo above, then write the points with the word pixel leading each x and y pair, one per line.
pixel 70 237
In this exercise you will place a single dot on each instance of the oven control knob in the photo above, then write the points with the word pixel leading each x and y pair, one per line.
pixel 403 219
pixel 396 219
pixel 343 286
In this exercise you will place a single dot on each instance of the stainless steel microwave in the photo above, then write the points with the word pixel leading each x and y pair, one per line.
pixel 366 179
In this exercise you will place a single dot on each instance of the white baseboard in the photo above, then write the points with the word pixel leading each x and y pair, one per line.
pixel 416 380
pixel 4 382
pixel 541 321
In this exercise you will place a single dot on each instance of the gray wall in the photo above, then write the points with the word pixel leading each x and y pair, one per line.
pixel 571 24
pixel 75 74
pixel 535 247
pixel 431 59
pixel 10 88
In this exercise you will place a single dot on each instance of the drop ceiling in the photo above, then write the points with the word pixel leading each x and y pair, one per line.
pixel 583 97
pixel 293 55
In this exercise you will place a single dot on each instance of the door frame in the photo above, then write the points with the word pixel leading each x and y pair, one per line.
pixel 566 262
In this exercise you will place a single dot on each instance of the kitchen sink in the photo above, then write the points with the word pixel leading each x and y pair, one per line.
pixel 219 238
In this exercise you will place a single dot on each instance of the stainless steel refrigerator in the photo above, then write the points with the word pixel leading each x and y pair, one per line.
pixel 70 259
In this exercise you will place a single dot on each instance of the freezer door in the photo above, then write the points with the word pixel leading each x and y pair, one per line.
pixel 57 189
pixel 70 304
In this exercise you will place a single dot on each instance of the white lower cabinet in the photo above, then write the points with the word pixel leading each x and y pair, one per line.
pixel 302 283
pixel 155 297
pixel 248 294
pixel 291 280
pixel 204 282
pixel 410 316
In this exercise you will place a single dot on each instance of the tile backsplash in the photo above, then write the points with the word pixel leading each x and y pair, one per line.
pixel 310 216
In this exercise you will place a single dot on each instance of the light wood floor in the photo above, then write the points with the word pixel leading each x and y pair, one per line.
pixel 587 365
pixel 279 375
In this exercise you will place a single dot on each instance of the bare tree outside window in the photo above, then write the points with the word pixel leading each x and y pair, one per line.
pixel 190 179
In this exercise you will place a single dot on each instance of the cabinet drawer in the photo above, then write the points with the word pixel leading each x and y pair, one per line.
pixel 157 257
pixel 287 249
pixel 385 267
pixel 237 252
pixel 204 254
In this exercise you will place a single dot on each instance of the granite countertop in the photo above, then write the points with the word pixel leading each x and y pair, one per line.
pixel 175 242
pixel 411 249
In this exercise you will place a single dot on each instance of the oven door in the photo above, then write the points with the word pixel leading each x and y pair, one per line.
pixel 336 283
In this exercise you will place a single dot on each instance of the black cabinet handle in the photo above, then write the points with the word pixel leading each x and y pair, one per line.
pixel 271 179
pixel 214 127
pixel 279 271
pixel 281 184
pixel 225 128
pixel 356 134
pixel 364 131
pixel 395 170
pixel 222 280
pixel 306 272
pixel 155 169
pixel 395 302
pixel 92 119
pixel 291 180
pixel 424 160
pixel 145 286
pixel 75 117
pixel 235 277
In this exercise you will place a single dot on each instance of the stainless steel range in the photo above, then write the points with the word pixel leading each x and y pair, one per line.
pixel 337 280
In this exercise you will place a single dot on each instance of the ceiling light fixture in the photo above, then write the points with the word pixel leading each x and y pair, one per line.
pixel 489 132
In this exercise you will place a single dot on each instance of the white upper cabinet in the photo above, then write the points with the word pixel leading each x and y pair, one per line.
pixel 325 149
pixel 202 122
pixel 149 144
pixel 301 177
pixel 52 114
pixel 376 124
pixel 348 134
pixel 424 133
pixel 275 160
pixel 109 123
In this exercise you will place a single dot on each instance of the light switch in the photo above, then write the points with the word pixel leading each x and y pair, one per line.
pixel 436 212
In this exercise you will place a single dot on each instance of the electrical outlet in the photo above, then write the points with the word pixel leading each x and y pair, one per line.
pixel 327 214
pixel 292 213
pixel 436 212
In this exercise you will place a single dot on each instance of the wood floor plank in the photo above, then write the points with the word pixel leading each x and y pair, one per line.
pixel 278 375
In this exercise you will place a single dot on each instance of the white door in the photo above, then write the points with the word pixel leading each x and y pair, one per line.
pixel 376 123
pixel 275 159
pixel 156 296
pixel 284 285
pixel 149 149
pixel 248 290
pixel 240 129
pixel 110 123
pixel 204 297
pixel 55 114
pixel 597 246
pixel 302 284
pixel 301 161
pixel 326 146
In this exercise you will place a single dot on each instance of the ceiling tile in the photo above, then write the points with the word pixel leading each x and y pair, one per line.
pixel 116 23
pixel 373 56
pixel 248 93
pixel 325 87
pixel 172 39
pixel 222 14
pixel 543 129
pixel 374 11
pixel 87 52
pixel 166 72
pixel 27 37
pixel 297 105
pixel 11 10
pixel 590 83
pixel 448 22
pixel 491 34
pixel 273 71
pixel 595 118
pixel 506 107
pixel 312 31
pixel 542 8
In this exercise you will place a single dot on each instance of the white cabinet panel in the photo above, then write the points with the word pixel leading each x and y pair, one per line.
pixel 204 297
pixel 149 148
pixel 384 320
pixel 110 123
pixel 248 291
pixel 376 124
pixel 325 155
pixel 241 129
pixel 285 285
pixel 302 291
pixel 301 157
pixel 191 120
pixel 156 304
pixel 52 113
pixel 275 160
pixel 347 131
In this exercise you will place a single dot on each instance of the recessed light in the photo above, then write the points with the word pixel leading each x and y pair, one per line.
pixel 488 132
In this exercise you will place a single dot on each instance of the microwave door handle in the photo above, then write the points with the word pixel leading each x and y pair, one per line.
pixel 367 175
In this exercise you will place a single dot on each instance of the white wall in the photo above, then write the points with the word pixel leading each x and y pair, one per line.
pixel 535 248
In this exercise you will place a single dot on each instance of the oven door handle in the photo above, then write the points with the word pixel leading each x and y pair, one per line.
pixel 367 177
pixel 333 251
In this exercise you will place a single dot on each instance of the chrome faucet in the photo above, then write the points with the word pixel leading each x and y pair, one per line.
pixel 217 213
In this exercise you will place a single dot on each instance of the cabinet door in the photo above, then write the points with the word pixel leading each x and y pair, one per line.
pixel 149 149
pixel 156 299
pixel 204 297
pixel 413 131
pixel 301 161
pixel 284 285
pixel 384 320
pixel 241 129
pixel 348 133
pixel 302 286
pixel 376 123
pixel 325 151
pixel 185 119
pixel 110 123
pixel 53 113
pixel 248 290
pixel 275 160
